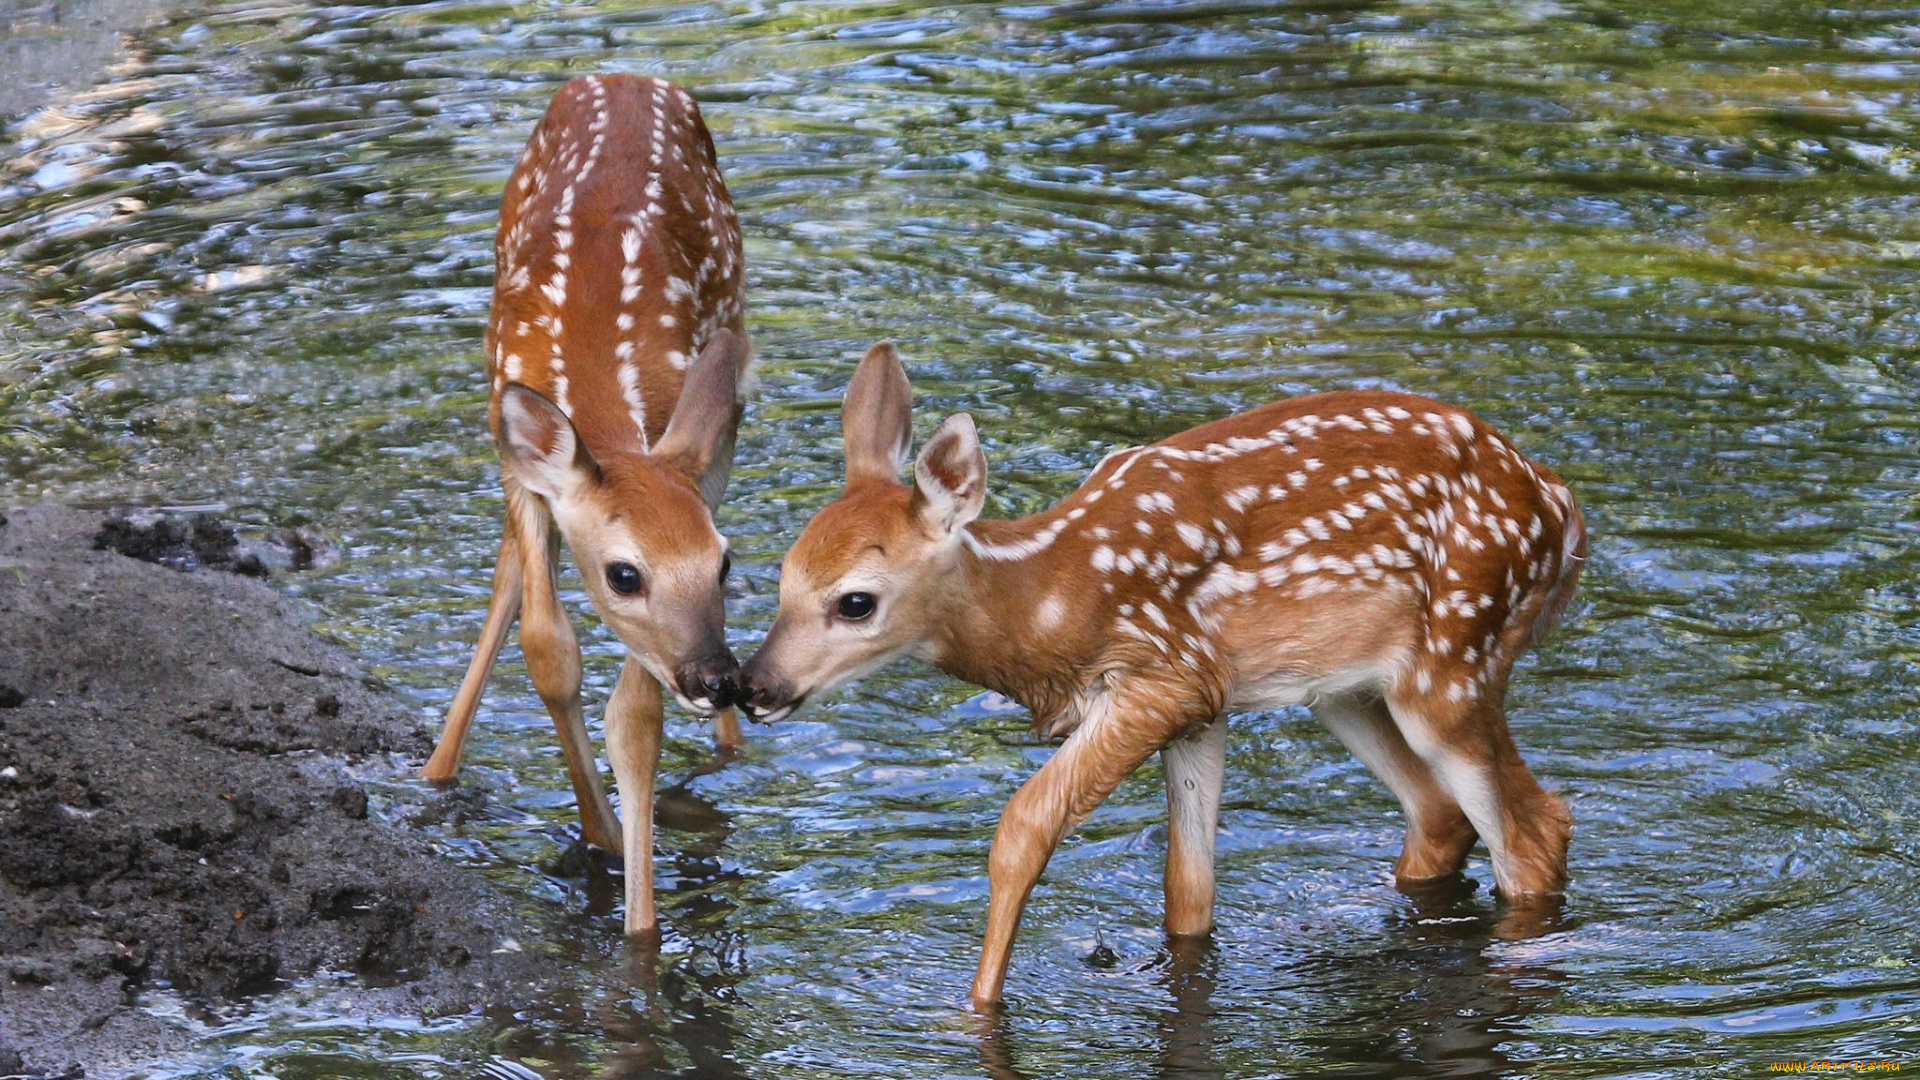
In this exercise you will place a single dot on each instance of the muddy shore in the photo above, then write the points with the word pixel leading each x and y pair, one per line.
pixel 177 808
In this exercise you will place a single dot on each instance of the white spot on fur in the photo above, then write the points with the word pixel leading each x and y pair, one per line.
pixel 1050 613
pixel 636 404
pixel 1154 502
pixel 1159 618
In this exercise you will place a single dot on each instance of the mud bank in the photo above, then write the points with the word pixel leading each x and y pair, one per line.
pixel 176 808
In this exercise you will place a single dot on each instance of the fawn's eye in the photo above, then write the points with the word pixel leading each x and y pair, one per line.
pixel 856 606
pixel 726 567
pixel 624 578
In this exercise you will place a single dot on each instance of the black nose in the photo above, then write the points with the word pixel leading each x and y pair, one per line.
pixel 758 700
pixel 761 693
pixel 714 679
pixel 721 687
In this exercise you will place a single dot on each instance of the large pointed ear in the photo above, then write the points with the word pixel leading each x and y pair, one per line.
pixel 877 419
pixel 950 476
pixel 539 447
pixel 709 408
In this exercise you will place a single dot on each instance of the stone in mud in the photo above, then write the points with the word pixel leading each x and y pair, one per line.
pixel 189 544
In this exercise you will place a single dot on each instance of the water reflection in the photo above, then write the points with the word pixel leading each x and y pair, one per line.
pixel 685 1012
pixel 1187 971
pixel 1463 1001
pixel 702 885
pixel 1186 1033
pixel 669 1008
pixel 687 1002
pixel 1439 999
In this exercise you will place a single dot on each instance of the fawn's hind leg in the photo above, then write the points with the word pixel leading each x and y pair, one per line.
pixel 1464 740
pixel 1439 835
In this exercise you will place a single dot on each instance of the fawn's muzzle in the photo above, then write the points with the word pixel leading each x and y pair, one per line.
pixel 710 684
pixel 765 698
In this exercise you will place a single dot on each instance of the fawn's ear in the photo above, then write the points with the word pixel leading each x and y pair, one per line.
pixel 538 446
pixel 709 407
pixel 950 477
pixel 877 419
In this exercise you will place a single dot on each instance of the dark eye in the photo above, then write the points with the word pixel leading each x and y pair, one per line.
pixel 726 567
pixel 624 578
pixel 856 606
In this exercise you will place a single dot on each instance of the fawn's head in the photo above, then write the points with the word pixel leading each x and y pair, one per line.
pixel 640 530
pixel 874 572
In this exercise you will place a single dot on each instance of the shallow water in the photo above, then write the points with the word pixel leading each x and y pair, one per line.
pixel 1673 255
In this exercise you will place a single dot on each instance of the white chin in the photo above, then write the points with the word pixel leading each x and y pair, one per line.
pixel 703 706
pixel 773 717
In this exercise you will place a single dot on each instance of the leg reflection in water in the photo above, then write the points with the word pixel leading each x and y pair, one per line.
pixel 1186 968
pixel 685 1004
pixel 1432 1002
pixel 1436 1003
pixel 672 1006
pixel 1186 1030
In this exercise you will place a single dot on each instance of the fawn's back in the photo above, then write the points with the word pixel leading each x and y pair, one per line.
pixel 1315 545
pixel 618 256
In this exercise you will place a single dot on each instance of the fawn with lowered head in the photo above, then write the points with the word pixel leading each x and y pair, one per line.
pixel 1379 557
pixel 619 365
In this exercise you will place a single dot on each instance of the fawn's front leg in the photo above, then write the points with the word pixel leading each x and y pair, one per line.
pixel 726 731
pixel 1196 765
pixel 1108 746
pixel 502 608
pixel 634 721
pixel 553 661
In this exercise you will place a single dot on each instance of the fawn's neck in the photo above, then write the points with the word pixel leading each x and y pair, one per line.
pixel 1019 616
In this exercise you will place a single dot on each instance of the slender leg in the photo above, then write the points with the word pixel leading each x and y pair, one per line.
pixel 1439 836
pixel 726 723
pixel 502 609
pixel 1107 747
pixel 726 729
pixel 553 660
pixel 1196 765
pixel 633 742
pixel 1473 757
